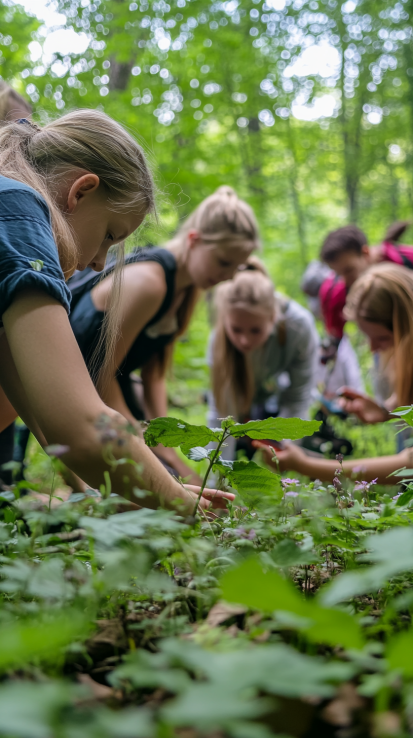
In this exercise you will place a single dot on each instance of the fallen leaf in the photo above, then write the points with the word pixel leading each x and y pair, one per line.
pixel 340 710
pixel 99 691
pixel 222 611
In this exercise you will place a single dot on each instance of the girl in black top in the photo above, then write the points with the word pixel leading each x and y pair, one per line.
pixel 159 292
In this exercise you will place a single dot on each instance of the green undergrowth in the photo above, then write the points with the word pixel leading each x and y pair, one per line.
pixel 288 614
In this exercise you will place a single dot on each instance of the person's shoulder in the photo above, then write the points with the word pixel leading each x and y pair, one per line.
pixel 298 313
pixel 25 200
pixel 157 254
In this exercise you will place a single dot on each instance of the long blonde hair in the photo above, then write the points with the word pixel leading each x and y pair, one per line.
pixel 384 295
pixel 85 140
pixel 220 218
pixel 232 378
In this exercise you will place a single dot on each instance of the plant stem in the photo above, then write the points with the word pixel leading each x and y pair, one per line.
pixel 212 461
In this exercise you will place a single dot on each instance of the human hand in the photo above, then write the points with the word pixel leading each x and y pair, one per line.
pixel 363 406
pixel 290 457
pixel 210 497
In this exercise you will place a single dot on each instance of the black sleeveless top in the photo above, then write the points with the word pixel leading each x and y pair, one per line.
pixel 86 321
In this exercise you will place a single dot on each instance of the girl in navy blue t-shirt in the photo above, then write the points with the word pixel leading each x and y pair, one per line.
pixel 68 192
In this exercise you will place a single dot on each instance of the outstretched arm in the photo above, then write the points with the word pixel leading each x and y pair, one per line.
pixel 292 458
pixel 53 393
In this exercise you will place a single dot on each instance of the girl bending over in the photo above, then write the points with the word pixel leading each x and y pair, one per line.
pixel 159 291
pixel 381 303
pixel 263 353
pixel 68 192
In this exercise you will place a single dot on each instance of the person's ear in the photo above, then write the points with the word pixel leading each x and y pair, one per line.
pixel 82 187
pixel 193 237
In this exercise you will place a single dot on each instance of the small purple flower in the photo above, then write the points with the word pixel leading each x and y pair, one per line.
pixel 337 484
pixel 286 481
pixel 396 497
pixel 290 494
pixel 339 458
pixel 57 450
pixel 251 534
pixel 364 486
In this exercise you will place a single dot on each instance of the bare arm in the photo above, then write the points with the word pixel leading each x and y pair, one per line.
pixel 53 389
pixel 292 458
pixel 156 406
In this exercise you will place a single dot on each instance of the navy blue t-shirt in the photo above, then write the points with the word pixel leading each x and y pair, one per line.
pixel 28 252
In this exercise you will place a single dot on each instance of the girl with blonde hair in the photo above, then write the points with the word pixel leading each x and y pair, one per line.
pixel 68 191
pixel 381 303
pixel 262 353
pixel 159 293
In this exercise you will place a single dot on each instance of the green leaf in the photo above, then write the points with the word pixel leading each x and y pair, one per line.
pixel 276 429
pixel 28 709
pixel 392 552
pixel 209 708
pixel 172 433
pixel 37 265
pixel 198 453
pixel 399 653
pixel 143 669
pixel 255 484
pixel 404 412
pixel 289 553
pixel 250 585
pixel 274 668
pixel 22 642
pixel 405 498
pixel 133 524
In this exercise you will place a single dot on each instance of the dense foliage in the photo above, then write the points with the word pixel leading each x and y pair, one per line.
pixel 305 106
pixel 287 615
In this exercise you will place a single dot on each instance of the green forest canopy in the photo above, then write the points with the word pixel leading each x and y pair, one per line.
pixel 218 91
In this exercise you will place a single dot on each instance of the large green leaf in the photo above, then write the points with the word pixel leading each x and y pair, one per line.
pixel 24 641
pixel 255 484
pixel 173 433
pixel 248 584
pixel 399 653
pixel 391 552
pixel 276 429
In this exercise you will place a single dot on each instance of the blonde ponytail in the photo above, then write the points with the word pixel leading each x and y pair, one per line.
pixel 220 218
pixel 232 377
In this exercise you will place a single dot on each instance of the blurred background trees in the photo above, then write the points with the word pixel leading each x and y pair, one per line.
pixel 304 106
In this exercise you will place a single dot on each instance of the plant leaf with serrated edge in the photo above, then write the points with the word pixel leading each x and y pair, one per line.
pixel 172 432
pixel 255 484
pixel 198 453
pixel 248 584
pixel 275 429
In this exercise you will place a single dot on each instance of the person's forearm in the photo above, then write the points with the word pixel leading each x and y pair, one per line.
pixel 146 473
pixel 363 469
pixel 170 456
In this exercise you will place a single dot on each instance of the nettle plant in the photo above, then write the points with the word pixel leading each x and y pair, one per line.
pixel 254 484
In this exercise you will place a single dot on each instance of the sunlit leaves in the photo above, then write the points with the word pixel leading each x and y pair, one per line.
pixel 249 584
pixel 171 432
pixel 276 429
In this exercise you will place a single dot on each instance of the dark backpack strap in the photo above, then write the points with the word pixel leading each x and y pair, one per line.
pixel 85 281
pixel 406 261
